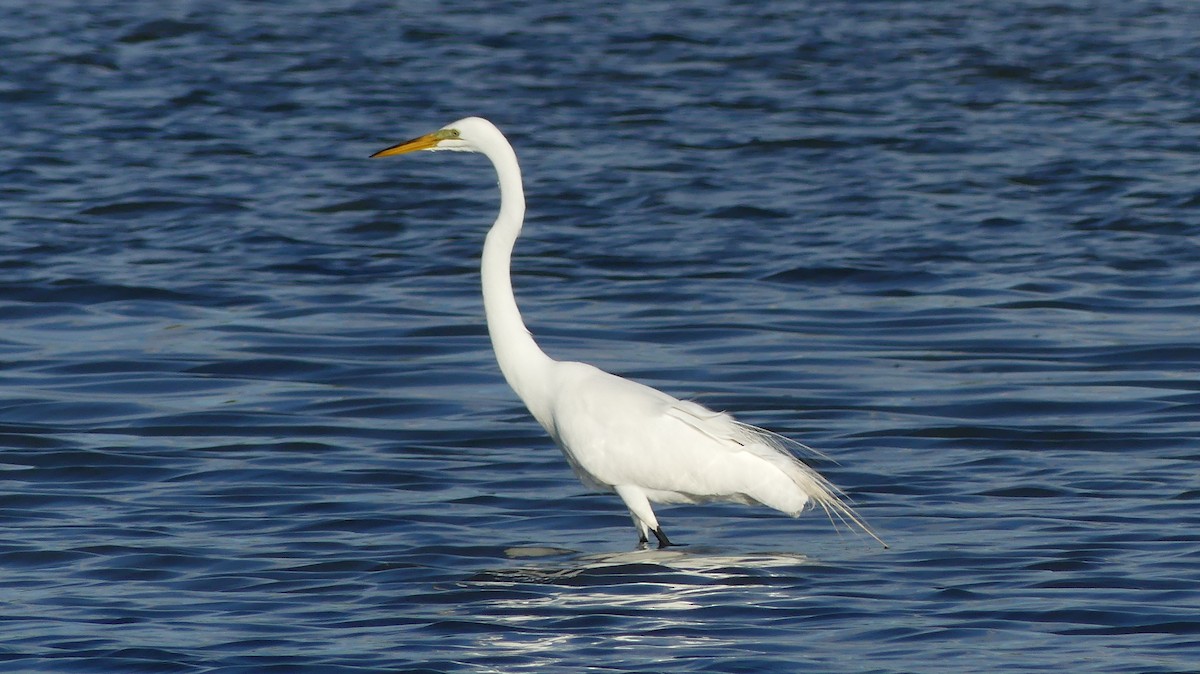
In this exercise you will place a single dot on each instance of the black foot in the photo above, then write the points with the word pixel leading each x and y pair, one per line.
pixel 663 541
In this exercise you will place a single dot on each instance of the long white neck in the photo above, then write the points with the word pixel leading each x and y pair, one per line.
pixel 525 366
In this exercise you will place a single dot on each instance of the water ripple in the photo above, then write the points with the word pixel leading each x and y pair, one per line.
pixel 251 420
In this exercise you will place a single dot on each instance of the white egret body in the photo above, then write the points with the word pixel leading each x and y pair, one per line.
pixel 620 435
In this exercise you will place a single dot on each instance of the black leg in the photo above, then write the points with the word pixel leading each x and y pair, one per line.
pixel 663 541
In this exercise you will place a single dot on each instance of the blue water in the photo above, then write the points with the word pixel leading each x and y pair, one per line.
pixel 250 419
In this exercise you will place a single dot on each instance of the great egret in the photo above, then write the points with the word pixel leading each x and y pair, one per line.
pixel 620 435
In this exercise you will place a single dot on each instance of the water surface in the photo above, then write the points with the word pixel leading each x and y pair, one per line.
pixel 250 420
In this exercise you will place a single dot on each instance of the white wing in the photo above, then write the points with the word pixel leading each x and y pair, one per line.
pixel 617 432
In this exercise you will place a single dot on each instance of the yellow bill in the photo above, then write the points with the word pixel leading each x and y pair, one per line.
pixel 427 142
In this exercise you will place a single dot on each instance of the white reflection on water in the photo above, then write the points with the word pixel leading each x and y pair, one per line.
pixel 636 607
pixel 705 564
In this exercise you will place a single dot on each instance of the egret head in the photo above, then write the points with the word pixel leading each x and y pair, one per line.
pixel 465 135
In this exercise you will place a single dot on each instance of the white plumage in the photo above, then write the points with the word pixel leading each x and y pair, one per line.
pixel 619 435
